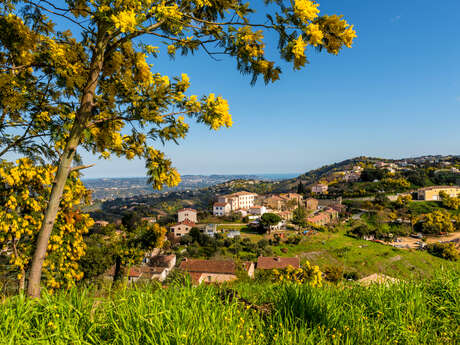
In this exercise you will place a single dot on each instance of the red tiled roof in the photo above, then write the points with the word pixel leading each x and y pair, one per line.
pixel 187 209
pixel 290 196
pixel 243 193
pixel 185 222
pixel 275 197
pixel 195 276
pixel 269 263
pixel 220 204
pixel 438 187
pixel 209 266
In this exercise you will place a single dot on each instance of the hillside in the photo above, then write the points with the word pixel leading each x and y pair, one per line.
pixel 420 171
pixel 416 172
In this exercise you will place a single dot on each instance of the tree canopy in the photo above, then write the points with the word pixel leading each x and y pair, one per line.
pixel 93 87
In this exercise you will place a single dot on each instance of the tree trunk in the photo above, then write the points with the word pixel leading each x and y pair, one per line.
pixel 118 273
pixel 64 169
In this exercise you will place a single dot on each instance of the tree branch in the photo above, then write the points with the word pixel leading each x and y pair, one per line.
pixel 57 14
pixel 81 167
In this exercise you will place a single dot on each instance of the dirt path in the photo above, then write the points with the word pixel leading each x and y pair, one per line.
pixel 409 242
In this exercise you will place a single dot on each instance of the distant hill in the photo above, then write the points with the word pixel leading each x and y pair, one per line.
pixel 314 176
pixel 420 171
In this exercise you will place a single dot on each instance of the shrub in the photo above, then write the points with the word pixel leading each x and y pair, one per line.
pixel 308 274
pixel 436 222
pixel 446 251
pixel 334 273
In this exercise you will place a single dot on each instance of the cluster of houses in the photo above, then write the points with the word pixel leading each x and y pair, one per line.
pixel 349 175
pixel 321 212
pixel 205 271
pixel 154 267
pixel 187 218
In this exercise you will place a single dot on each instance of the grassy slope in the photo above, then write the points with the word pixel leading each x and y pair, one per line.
pixel 365 257
pixel 425 312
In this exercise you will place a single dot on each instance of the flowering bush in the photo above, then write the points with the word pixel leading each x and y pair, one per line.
pixel 307 275
pixel 24 189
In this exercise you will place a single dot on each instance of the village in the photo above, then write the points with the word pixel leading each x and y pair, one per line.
pixel 319 214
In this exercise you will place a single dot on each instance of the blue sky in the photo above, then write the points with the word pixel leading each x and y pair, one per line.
pixel 395 94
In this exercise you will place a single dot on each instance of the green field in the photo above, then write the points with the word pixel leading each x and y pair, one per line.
pixel 328 249
pixel 418 312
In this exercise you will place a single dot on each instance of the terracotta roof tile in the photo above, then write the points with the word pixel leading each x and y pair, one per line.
pixel 185 222
pixel 187 209
pixel 209 266
pixel 223 204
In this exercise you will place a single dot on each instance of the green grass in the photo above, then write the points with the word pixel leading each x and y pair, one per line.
pixel 421 207
pixel 419 312
pixel 365 257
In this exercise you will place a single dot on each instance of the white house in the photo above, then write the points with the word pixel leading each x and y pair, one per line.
pixel 221 209
pixel 258 210
pixel 187 214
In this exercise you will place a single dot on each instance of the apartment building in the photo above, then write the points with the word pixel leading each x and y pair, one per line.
pixel 432 193
pixel 240 200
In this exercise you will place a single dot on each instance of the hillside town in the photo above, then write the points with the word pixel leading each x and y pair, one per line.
pixel 319 214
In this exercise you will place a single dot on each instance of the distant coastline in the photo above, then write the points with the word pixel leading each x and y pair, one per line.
pixel 268 176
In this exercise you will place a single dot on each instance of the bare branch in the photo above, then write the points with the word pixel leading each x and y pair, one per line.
pixel 81 167
pixel 57 14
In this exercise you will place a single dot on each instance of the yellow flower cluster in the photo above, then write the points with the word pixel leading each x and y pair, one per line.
pixel 202 3
pixel 171 14
pixel 143 73
pixel 217 114
pixel 67 62
pixel 250 41
pixel 24 191
pixel 338 33
pixel 298 50
pixel 315 34
pixel 193 104
pixel 171 49
pixel 308 274
pixel 348 35
pixel 160 170
pixel 306 10
pixel 125 21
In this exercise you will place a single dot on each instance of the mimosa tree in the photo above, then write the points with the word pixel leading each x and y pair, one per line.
pixel 24 190
pixel 92 87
